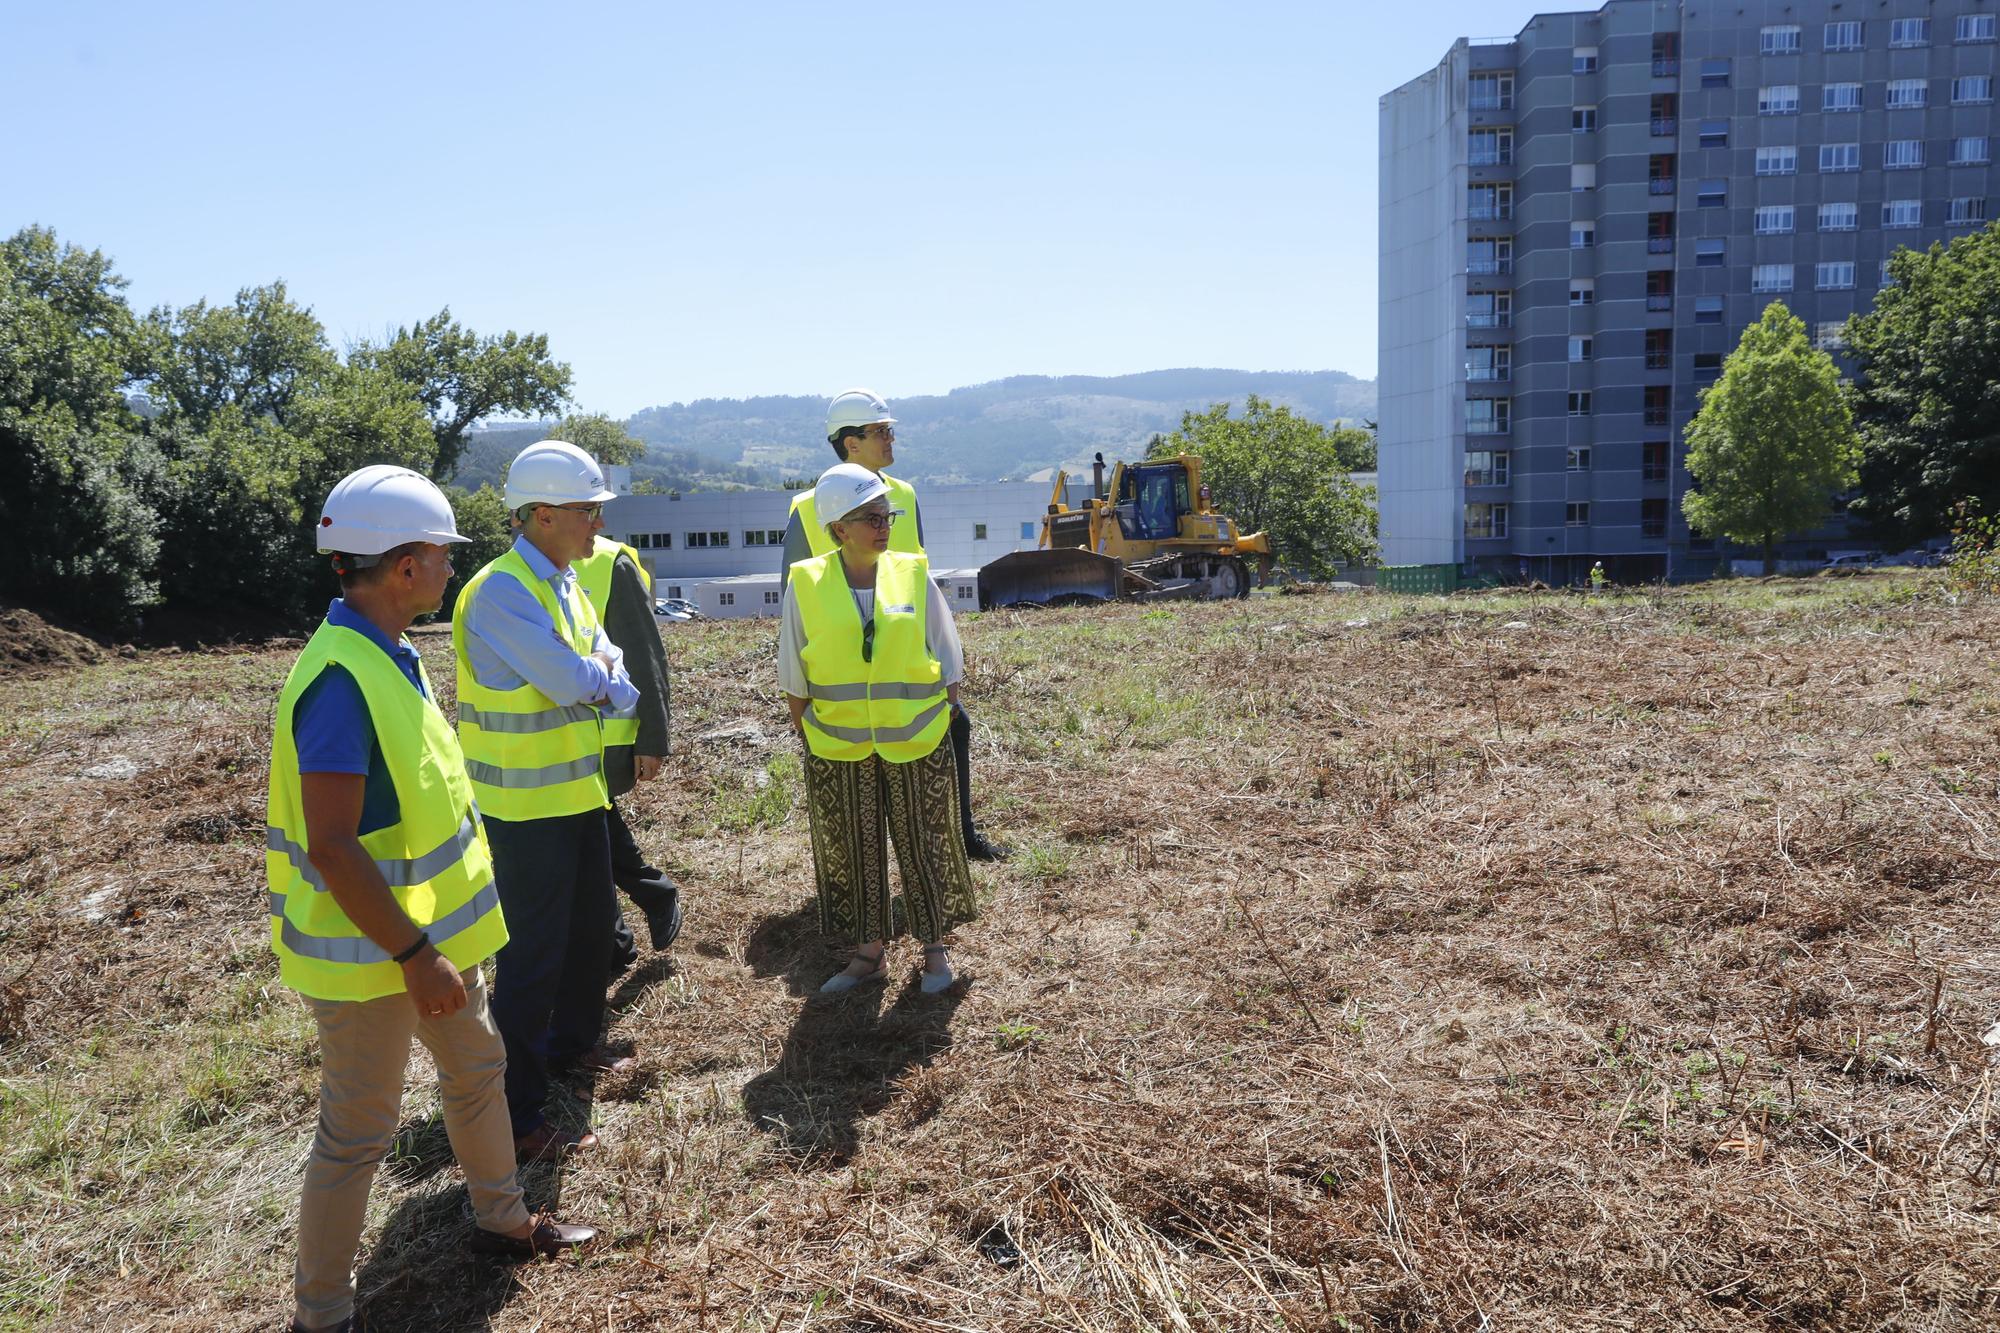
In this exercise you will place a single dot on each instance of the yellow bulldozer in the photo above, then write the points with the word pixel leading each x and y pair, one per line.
pixel 1150 534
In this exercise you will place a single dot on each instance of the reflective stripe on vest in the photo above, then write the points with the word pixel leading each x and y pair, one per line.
pixel 528 756
pixel 902 533
pixel 593 574
pixel 893 704
pixel 434 858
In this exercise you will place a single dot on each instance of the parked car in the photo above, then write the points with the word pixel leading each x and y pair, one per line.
pixel 675 608
pixel 1853 561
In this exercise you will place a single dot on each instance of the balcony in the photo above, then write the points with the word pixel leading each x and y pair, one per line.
pixel 1488 267
pixel 1658 301
pixel 1652 527
pixel 1665 126
pixel 1666 67
pixel 1486 427
pixel 1499 321
pixel 1660 185
pixel 1659 245
pixel 1660 360
pixel 1487 374
pixel 1490 212
pixel 1491 157
pixel 1658 416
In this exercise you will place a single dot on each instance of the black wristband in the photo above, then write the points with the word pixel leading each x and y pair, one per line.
pixel 423 938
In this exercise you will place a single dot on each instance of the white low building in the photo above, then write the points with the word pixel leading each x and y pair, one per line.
pixel 732 538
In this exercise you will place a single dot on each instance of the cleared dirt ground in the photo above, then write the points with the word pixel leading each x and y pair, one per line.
pixel 1366 963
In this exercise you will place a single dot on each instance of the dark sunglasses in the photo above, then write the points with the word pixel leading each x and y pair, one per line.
pixel 868 641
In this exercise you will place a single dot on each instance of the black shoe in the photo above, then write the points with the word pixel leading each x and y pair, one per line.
pixel 665 922
pixel 979 848
pixel 548 1238
pixel 347 1325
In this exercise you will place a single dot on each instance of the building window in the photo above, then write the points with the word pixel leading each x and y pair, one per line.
pixel 1970 151
pixel 1583 60
pixel 1842 36
pixel 1653 517
pixel 1576 514
pixel 1488 416
pixel 674 591
pixel 1840 97
pixel 1712 192
pixel 697 540
pixel 1903 213
pixel 1485 520
pixel 1491 148
pixel 1486 467
pixel 1972 89
pixel 965 592
pixel 1839 217
pixel 1658 404
pixel 1707 365
pixel 1777 161
pixel 1660 173
pixel 1489 310
pixel 1582 235
pixel 1490 203
pixel 1907 94
pixel 1579 404
pixel 1780 99
pixel 1708 310
pixel 1492 92
pixel 1577 458
pixel 1909 32
pixel 1659 233
pixel 1713 134
pixel 1974 28
pixel 725 599
pixel 1485 364
pixel 979 532
pixel 1830 335
pixel 1653 460
pixel 1709 252
pixel 1659 289
pixel 1840 157
pixel 1580 348
pixel 1715 73
pixel 1773 220
pixel 1583 120
pixel 1582 176
pixel 1659 349
pixel 1485 255
pixel 1963 212
pixel 1778 39
pixel 770 596
pixel 1771 278
pixel 1582 291
pixel 1837 276
pixel 754 537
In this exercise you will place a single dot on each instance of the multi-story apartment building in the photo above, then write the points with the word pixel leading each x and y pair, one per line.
pixel 1577 222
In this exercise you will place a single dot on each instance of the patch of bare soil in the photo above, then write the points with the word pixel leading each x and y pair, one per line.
pixel 29 643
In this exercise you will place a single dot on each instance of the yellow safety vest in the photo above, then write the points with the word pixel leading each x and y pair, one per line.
pixel 894 702
pixel 902 533
pixel 528 756
pixel 593 573
pixel 434 857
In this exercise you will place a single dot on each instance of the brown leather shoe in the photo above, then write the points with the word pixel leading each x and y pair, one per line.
pixel 602 1060
pixel 545 1140
pixel 549 1237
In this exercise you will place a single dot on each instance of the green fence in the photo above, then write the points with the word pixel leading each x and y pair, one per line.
pixel 1417 578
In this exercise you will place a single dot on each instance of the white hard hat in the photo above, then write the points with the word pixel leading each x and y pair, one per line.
pixel 856 407
pixel 554 472
pixel 380 508
pixel 844 488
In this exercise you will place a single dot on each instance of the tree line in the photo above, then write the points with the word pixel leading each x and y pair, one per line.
pixel 178 458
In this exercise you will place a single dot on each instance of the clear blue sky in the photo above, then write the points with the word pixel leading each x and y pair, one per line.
pixel 723 200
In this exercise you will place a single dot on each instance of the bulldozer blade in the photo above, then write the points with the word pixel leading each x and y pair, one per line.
pixel 1050 578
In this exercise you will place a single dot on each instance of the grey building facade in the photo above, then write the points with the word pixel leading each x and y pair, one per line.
pixel 1578 222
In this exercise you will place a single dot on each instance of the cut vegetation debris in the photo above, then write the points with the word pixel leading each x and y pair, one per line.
pixel 1422 973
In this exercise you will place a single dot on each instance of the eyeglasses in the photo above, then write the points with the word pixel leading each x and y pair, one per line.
pixel 592 510
pixel 878 519
pixel 880 431
pixel 868 641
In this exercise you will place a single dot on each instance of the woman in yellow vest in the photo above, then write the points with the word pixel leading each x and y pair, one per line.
pixel 381 890
pixel 869 660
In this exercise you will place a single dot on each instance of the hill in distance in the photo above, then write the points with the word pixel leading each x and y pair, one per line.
pixel 1008 428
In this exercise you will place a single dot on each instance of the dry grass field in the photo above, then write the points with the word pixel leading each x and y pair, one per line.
pixel 1486 962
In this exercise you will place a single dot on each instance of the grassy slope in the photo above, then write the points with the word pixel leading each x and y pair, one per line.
pixel 1560 959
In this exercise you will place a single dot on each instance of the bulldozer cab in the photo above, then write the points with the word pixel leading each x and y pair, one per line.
pixel 1149 499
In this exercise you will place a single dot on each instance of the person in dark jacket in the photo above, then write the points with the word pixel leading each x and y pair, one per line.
pixel 618 585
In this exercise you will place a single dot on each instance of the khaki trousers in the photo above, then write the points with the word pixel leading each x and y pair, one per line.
pixel 364 1051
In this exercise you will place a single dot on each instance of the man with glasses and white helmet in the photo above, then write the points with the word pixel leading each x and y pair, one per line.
pixel 381 890
pixel 861 430
pixel 537 679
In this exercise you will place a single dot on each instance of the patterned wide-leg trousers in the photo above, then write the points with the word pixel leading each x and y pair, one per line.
pixel 855 808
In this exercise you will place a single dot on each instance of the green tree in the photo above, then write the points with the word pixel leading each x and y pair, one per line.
pixel 74 473
pixel 257 356
pixel 1927 393
pixel 602 438
pixel 462 378
pixel 1774 440
pixel 1285 475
